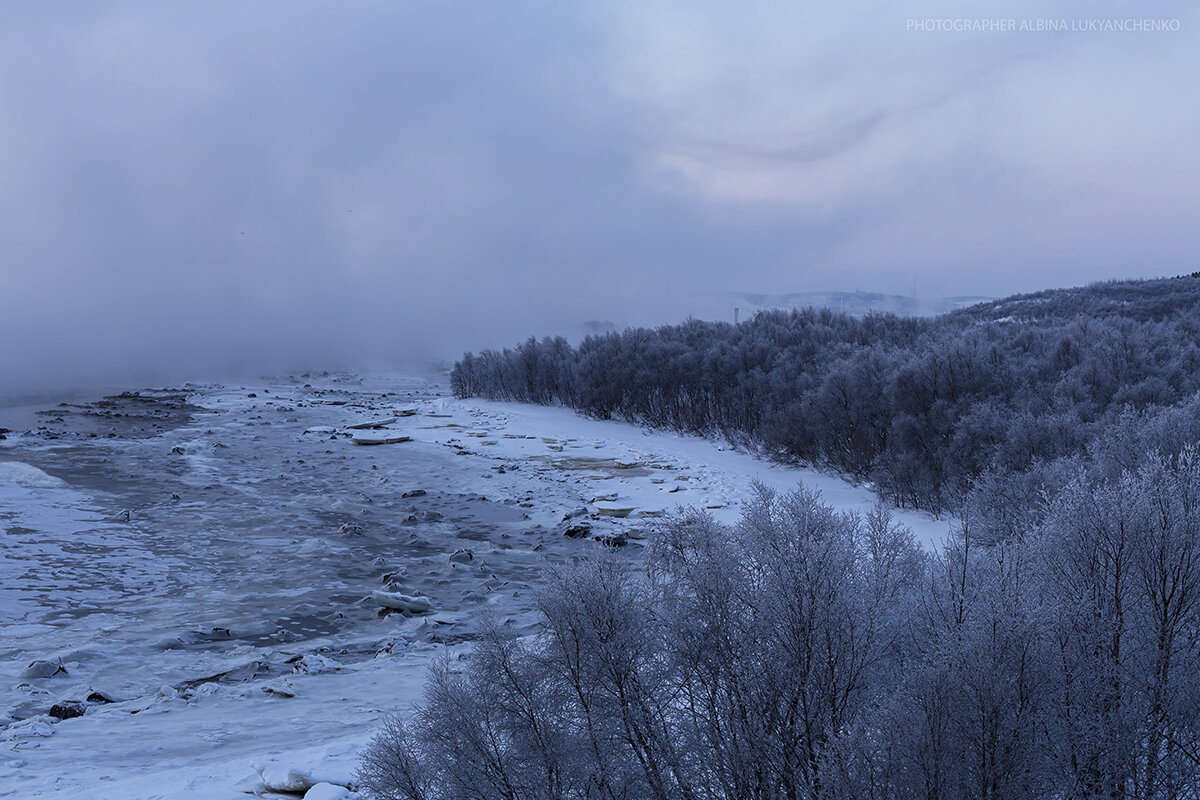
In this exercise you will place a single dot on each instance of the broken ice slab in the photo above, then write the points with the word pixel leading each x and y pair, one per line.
pixel 414 604
pixel 613 511
pixel 371 424
pixel 379 437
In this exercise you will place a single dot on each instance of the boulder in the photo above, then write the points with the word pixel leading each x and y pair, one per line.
pixel 68 709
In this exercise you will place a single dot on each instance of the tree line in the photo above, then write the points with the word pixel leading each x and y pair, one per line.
pixel 923 408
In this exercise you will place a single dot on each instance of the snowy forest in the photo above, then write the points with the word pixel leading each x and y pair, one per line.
pixel 1024 391
pixel 1049 649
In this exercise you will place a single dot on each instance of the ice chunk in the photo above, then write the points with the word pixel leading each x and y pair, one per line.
pixel 414 604
pixel 613 511
pixel 28 476
pixel 378 437
pixel 44 669
pixel 371 424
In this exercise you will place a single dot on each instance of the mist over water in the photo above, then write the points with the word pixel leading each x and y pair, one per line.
pixel 213 190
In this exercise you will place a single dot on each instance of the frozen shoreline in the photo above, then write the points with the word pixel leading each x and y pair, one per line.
pixel 239 521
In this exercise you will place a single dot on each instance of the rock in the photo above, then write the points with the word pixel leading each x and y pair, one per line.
pixel 577 531
pixel 68 709
pixel 462 556
pixel 414 493
pixel 102 698
pixel 44 669
pixel 177 450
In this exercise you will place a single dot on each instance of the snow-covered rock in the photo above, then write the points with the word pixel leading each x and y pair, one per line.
pixel 329 791
pixel 301 776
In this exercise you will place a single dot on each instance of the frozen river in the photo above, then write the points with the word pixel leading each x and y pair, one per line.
pixel 199 561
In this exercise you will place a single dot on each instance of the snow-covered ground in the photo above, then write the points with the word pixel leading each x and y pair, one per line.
pixel 203 570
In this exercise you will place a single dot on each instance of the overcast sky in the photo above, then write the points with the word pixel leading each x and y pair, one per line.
pixel 190 188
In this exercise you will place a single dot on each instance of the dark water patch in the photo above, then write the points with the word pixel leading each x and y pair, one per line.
pixel 129 415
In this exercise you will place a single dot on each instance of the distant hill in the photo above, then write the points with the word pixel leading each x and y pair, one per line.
pixel 1152 299
pixel 856 304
